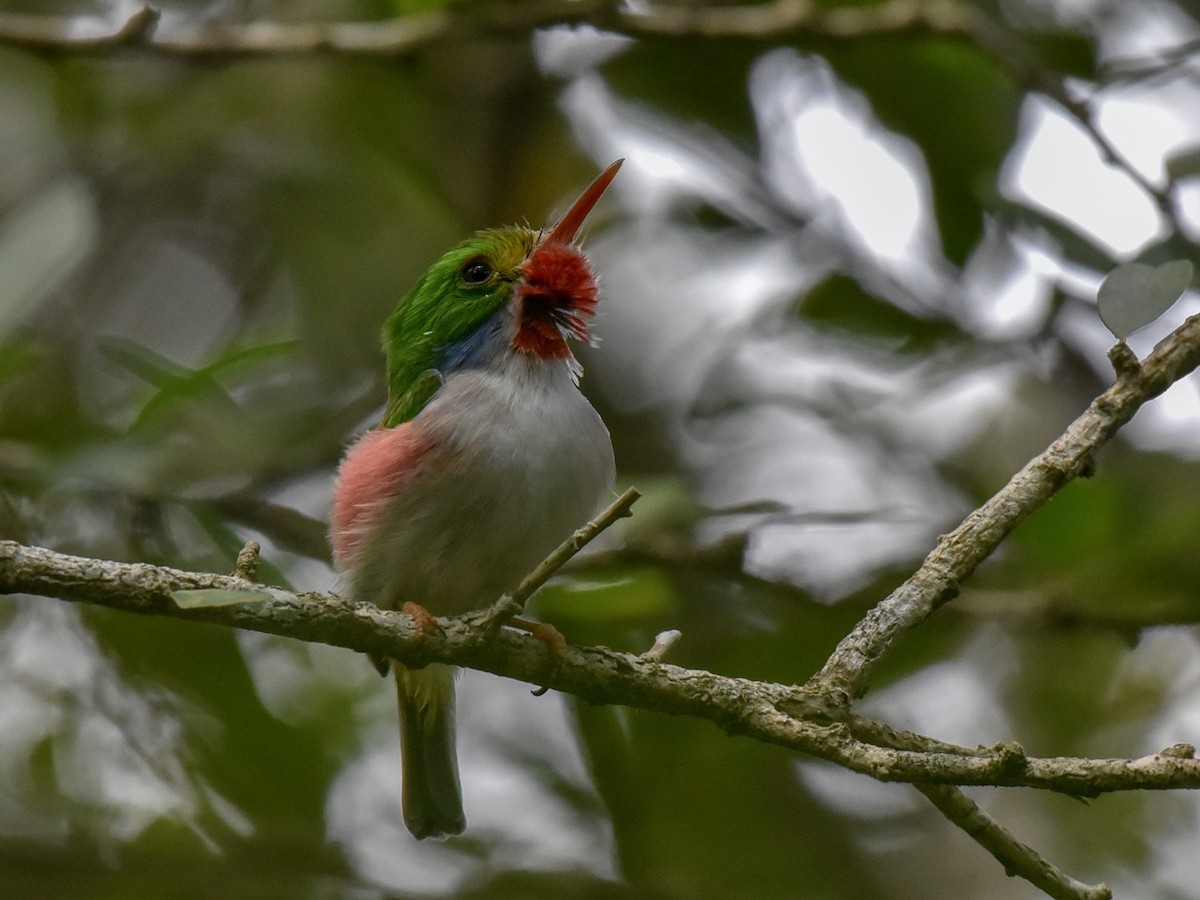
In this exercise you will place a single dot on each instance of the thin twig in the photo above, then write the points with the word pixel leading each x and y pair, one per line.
pixel 1081 112
pixel 663 641
pixel 957 554
pixel 489 620
pixel 247 561
pixel 1157 64
pixel 1017 858
pixel 1010 51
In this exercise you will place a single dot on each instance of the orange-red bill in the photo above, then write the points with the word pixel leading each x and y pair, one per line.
pixel 565 229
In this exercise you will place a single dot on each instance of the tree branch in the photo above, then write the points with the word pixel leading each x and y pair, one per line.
pixel 790 716
pixel 958 553
pixel 780 20
pixel 1022 62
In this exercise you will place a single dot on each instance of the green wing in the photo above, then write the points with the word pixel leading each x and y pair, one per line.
pixel 405 406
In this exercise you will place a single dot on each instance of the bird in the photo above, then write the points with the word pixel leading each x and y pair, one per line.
pixel 487 456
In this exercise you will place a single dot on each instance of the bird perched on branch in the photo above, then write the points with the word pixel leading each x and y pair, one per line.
pixel 487 457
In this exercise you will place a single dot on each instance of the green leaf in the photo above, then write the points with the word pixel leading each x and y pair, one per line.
pixel 1135 294
pixel 202 598
pixel 1074 243
pixel 840 302
pixel 1066 52
pixel 179 387
pixel 963 116
pixel 713 93
pixel 16 359
pixel 146 364
pixel 633 594
pixel 1184 164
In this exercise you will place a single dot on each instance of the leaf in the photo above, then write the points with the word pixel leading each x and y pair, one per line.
pixel 1074 243
pixel 713 93
pixel 16 359
pixel 1064 52
pixel 958 83
pixel 633 594
pixel 209 597
pixel 179 387
pixel 148 365
pixel 840 302
pixel 1184 164
pixel 1135 294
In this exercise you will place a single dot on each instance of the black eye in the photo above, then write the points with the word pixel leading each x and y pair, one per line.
pixel 476 271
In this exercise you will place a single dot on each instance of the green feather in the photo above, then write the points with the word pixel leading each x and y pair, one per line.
pixel 402 407
pixel 441 309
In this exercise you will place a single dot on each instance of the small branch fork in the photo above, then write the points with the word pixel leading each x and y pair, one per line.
pixel 960 551
pixel 488 621
pixel 1017 858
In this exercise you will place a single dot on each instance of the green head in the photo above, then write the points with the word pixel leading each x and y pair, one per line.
pixel 454 312
pixel 459 294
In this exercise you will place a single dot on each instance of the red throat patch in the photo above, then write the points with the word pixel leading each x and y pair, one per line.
pixel 558 299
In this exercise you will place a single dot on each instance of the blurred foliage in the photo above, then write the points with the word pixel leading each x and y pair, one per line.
pixel 196 255
pixel 963 117
pixel 840 302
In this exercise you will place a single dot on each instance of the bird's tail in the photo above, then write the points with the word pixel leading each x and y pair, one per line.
pixel 432 795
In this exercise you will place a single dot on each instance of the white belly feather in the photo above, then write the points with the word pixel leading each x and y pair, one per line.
pixel 522 459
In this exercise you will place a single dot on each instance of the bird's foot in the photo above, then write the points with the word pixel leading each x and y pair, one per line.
pixel 551 637
pixel 423 622
pixel 423 625
pixel 555 643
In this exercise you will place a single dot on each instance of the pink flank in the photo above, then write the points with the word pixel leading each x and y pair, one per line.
pixel 377 466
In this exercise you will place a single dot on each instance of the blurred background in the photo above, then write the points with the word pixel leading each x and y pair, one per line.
pixel 848 276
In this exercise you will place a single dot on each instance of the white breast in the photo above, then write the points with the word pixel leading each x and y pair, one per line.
pixel 521 459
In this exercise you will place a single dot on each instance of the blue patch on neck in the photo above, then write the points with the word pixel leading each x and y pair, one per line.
pixel 481 349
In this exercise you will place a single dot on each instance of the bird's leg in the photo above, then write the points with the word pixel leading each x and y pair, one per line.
pixel 555 643
pixel 423 624
pixel 423 621
pixel 551 637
